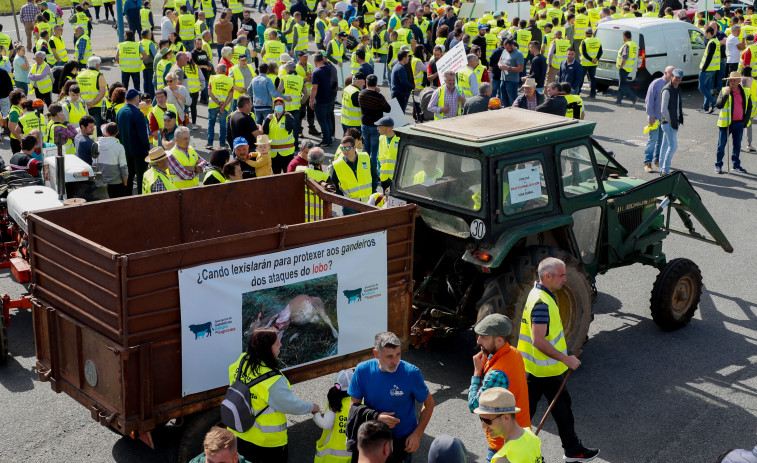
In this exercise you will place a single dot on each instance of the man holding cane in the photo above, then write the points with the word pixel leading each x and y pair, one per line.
pixel 545 355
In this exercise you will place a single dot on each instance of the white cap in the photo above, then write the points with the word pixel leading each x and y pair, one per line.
pixel 342 380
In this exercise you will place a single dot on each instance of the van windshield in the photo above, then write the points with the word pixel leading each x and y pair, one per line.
pixel 440 177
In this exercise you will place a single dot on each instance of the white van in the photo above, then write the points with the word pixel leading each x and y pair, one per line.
pixel 662 43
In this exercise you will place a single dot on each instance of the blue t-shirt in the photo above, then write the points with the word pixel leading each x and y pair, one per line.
pixel 322 78
pixel 391 392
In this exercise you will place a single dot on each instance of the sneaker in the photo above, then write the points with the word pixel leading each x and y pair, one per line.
pixel 719 170
pixel 195 127
pixel 313 131
pixel 740 170
pixel 648 167
pixel 703 111
pixel 208 147
pixel 712 110
pixel 581 454
pixel 634 101
pixel 750 149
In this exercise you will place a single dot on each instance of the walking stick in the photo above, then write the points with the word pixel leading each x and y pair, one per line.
pixel 554 401
pixel 728 148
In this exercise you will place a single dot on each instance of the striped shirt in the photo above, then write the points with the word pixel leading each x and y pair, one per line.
pixel 450 101
pixel 177 169
pixel 540 312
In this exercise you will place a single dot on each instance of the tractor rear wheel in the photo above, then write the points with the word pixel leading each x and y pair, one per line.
pixel 195 428
pixel 675 294
pixel 507 294
pixel 3 340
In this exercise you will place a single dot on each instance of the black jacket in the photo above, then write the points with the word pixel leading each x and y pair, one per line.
pixel 556 105
pixel 358 415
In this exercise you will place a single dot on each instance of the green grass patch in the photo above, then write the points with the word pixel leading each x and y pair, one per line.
pixel 5 5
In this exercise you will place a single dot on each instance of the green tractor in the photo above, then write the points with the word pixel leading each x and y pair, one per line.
pixel 501 190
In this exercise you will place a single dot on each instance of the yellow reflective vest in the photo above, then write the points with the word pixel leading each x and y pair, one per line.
pixel 463 81
pixel 45 85
pixel 526 448
pixel 151 176
pixel 332 446
pixel 88 84
pixel 356 187
pixel 272 50
pixel 314 206
pixel 87 48
pixel 129 57
pixel 270 427
pixel 187 159
pixel 440 103
pixel 387 156
pixel 293 84
pixel 351 114
pixel 561 52
pixel 220 86
pixel 630 63
pixel 144 18
pixel 60 48
pixel 282 141
pixel 534 361
pixel 592 45
pixel 68 147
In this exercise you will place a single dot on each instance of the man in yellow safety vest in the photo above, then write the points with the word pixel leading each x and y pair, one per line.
pixel 130 57
pixel 156 178
pixel 387 154
pixel 353 174
pixel 544 349
pixel 496 410
pixel 184 164
pixel 626 64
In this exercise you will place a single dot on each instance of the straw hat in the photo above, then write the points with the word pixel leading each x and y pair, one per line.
pixel 496 401
pixel 263 140
pixel 156 154
pixel 530 82
pixel 734 75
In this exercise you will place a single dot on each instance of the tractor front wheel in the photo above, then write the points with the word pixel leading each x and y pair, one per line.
pixel 675 294
pixel 507 294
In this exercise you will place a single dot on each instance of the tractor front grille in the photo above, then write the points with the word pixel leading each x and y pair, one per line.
pixel 631 219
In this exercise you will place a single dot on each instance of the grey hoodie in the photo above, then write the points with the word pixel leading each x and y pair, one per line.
pixel 112 161
pixel 447 449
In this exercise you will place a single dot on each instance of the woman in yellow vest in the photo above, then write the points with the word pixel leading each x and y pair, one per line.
pixel 332 446
pixel 272 398
pixel 279 127
pixel 57 118
pixel 218 159
pixel 176 45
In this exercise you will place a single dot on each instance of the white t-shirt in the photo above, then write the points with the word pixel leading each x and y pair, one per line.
pixel 732 51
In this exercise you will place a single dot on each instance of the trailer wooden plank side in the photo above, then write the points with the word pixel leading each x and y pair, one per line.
pixel 106 291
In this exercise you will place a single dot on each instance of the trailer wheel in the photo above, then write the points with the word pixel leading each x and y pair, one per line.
pixel 3 340
pixel 675 294
pixel 195 428
pixel 507 294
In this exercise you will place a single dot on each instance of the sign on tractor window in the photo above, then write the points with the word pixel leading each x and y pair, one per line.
pixel 524 188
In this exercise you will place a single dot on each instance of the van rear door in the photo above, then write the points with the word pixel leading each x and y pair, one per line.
pixel 612 40
pixel 679 50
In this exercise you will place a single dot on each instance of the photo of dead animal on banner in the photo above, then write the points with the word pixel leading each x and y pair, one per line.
pixel 305 314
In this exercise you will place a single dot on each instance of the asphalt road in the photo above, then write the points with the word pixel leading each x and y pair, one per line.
pixel 641 395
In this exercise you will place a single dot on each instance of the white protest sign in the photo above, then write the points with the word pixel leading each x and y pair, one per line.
pixel 378 70
pixel 524 184
pixel 471 10
pixel 397 115
pixel 454 60
pixel 344 71
pixel 514 10
pixel 494 5
pixel 326 299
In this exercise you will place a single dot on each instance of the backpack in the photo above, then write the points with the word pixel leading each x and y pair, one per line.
pixel 236 408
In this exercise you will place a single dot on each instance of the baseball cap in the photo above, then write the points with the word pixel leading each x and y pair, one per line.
pixel 342 34
pixel 399 8
pixel 132 93
pixel 342 379
pixel 385 122
pixel 169 115
pixel 378 15
pixel 302 53
pixel 240 141
pixel 677 72
pixel 494 324
pixel 483 26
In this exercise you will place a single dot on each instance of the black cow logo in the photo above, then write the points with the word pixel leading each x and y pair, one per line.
pixel 201 329
pixel 353 295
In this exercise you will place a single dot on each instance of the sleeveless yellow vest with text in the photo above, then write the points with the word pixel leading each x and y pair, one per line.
pixel 351 115
pixel 282 142
pixel 187 159
pixel 387 156
pixel 536 362
pixel 630 63
pixel 332 446
pixel 356 187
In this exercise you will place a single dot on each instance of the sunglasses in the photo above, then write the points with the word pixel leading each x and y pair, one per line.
pixel 345 148
pixel 169 81
pixel 486 421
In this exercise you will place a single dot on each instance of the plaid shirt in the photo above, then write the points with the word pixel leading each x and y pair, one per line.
pixel 29 13
pixel 450 101
pixel 494 378
pixel 158 185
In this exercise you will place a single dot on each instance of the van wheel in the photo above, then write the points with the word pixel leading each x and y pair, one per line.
pixel 507 294
pixel 195 428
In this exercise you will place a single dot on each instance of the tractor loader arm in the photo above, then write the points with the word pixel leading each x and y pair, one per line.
pixel 676 191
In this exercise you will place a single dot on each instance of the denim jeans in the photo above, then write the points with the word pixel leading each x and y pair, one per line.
pixel 23 86
pixel 371 142
pixel 213 114
pixel 261 114
pixel 509 92
pixel 496 88
pixel 736 130
pixel 669 147
pixel 209 22
pixel 189 44
pixel 490 454
pixel 654 144
pixel 134 76
pixel 719 74
pixel 322 114
pixel 591 73
pixel 706 84
pixel 5 106
pixel 149 88
pixel 623 87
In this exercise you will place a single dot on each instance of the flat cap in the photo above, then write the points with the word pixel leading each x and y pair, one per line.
pixel 494 325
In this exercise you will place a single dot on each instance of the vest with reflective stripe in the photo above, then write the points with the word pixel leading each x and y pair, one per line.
pixel 144 18
pixel 491 44
pixel 370 9
pixel 355 187
pixel 289 35
pixel 49 57
pixel 417 75
pixel 715 62
pixel 752 52
pixel 45 85
pixel 187 26
pixel 76 111
pixel 88 84
pixel 351 115
pixel 17 110
pixel 193 78
pixel 579 27
pixel 270 428
pixel 523 37
pixel 318 35
pixel 160 70
pixel 592 48
pixel 87 48
pixel 525 448
pixel 725 116
pixel 81 20
pixel 463 81
pixel 440 104
pixel 60 48
pixel 303 31
pixel 536 362
pixel 30 121
pixel 561 51
pixel 314 206
pixel 569 113
pixel 273 50
pixel 236 74
pixel 235 6
pixel 207 7
pixel 129 57
pixel 158 112
pixel 337 50
pixel 387 156
pixel 68 147
pixel 384 42
pixel 402 35
pixel 216 174
pixel 302 72
pixel 631 61
pixel 151 176
pixel 479 71
pixel 187 159
pixel 293 84
pixel 332 446
pixel 282 142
